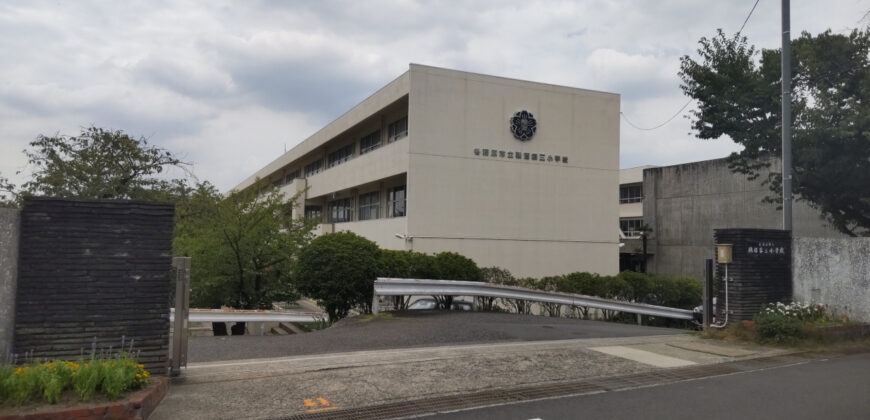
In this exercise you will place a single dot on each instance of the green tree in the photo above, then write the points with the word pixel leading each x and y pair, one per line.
pixel 98 164
pixel 738 96
pixel 7 192
pixel 243 246
pixel 452 266
pixel 339 270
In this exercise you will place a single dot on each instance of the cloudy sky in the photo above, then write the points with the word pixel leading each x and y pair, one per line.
pixel 229 84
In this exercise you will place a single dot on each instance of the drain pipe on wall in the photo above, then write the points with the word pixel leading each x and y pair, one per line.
pixel 723 256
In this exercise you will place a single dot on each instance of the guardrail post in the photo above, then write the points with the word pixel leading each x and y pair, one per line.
pixel 181 268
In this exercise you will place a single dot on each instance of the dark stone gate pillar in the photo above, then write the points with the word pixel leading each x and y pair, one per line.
pixel 760 272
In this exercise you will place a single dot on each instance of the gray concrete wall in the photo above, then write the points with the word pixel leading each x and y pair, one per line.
pixel 833 272
pixel 683 204
pixel 9 228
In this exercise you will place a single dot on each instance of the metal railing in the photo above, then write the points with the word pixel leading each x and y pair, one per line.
pixel 417 287
pixel 218 315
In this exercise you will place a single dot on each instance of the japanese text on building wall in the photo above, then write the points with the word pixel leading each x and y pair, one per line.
pixel 504 154
pixel 765 248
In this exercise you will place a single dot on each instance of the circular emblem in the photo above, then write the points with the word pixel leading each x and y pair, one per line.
pixel 523 125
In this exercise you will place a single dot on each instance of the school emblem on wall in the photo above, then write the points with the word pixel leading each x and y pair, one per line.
pixel 523 125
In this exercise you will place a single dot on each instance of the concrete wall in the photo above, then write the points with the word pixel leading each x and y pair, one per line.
pixel 532 217
pixel 9 229
pixel 683 204
pixel 833 272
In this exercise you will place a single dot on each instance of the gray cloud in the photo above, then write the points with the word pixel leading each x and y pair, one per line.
pixel 230 83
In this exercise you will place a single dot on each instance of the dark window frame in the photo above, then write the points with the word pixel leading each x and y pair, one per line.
pixel 394 209
pixel 397 129
pixel 370 142
pixel 369 206
pixel 341 210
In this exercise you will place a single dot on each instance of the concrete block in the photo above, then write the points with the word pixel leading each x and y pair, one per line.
pixel 9 232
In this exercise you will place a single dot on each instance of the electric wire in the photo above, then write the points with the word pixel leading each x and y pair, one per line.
pixel 624 117
pixel 747 18
pixel 660 125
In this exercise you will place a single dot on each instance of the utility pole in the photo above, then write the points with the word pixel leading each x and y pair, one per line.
pixel 786 117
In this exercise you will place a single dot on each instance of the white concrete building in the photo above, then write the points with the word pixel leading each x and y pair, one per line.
pixel 631 217
pixel 510 173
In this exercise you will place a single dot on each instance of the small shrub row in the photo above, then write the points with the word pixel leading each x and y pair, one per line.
pixel 628 286
pixel 786 323
pixel 46 381
pixel 339 270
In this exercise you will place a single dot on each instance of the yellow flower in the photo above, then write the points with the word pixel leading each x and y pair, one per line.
pixel 18 371
pixel 141 366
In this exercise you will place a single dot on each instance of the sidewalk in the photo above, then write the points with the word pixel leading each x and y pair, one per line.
pixel 280 387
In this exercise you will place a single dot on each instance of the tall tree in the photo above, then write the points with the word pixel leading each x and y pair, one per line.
pixel 243 246
pixel 7 192
pixel 738 96
pixel 98 164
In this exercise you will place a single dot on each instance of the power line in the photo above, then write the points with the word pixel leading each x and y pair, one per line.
pixel 660 125
pixel 747 18
pixel 690 100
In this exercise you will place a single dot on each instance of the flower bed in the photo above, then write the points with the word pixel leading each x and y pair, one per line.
pixel 783 323
pixel 138 405
pixel 32 382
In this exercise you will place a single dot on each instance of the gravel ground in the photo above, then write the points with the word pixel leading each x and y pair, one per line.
pixel 412 329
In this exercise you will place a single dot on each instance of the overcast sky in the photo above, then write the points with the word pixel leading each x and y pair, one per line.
pixel 229 84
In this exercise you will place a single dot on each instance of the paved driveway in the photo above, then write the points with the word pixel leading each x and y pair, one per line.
pixel 413 329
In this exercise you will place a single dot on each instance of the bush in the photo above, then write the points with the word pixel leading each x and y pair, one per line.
pixel 339 270
pixel 47 381
pixel 496 275
pixel 786 323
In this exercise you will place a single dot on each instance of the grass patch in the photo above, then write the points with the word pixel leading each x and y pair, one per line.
pixel 381 315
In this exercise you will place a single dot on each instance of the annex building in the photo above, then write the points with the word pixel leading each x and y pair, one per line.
pixel 510 173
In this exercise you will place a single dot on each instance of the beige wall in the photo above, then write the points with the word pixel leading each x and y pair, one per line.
pixel 532 218
pixel 383 162
pixel 381 231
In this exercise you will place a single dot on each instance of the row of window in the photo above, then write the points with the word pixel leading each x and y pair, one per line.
pixel 395 131
pixel 341 210
pixel 631 227
pixel 630 194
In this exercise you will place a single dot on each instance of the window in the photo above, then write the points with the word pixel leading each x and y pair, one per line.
pixel 631 194
pixel 341 155
pixel 398 130
pixel 396 202
pixel 631 227
pixel 313 212
pixel 291 176
pixel 312 168
pixel 340 210
pixel 370 142
pixel 277 183
pixel 369 205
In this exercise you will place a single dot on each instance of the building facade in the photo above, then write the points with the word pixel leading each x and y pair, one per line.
pixel 683 204
pixel 510 173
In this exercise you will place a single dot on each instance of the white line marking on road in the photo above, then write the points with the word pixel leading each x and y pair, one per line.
pixel 643 356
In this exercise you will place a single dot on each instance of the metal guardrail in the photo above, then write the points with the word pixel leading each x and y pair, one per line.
pixel 248 316
pixel 412 287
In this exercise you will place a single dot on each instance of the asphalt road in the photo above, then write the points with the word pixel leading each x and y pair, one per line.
pixel 821 389
pixel 412 329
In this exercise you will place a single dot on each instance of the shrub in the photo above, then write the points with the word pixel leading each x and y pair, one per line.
pixel 777 328
pixel 785 323
pixel 452 266
pixel 496 275
pixel 47 381
pixel 339 270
